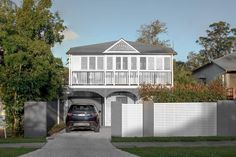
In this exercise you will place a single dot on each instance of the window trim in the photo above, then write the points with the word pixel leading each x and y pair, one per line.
pixel 84 64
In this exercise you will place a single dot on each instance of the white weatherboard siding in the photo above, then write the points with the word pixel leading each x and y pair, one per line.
pixel 185 119
pixel 132 120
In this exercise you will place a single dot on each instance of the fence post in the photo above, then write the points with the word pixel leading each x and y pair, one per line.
pixel 58 110
pixel 148 118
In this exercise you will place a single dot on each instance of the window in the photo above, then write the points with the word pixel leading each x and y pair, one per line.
pixel 122 99
pixel 109 63
pixel 151 63
pixel 142 63
pixel 99 63
pixel 159 63
pixel 84 63
pixel 118 63
pixel 125 63
pixel 92 63
pixel 133 63
pixel 167 63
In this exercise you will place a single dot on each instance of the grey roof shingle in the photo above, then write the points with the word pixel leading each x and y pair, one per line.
pixel 98 49
pixel 228 62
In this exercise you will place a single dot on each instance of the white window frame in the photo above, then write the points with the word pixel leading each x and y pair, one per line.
pixel 87 67
pixel 102 62
pixel 95 64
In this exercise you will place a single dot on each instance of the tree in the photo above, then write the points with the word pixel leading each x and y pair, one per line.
pixel 182 74
pixel 195 60
pixel 30 71
pixel 217 43
pixel 148 34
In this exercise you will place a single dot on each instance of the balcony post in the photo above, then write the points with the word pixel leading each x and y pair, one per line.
pixel 105 77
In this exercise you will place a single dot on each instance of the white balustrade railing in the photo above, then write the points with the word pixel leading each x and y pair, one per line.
pixel 120 77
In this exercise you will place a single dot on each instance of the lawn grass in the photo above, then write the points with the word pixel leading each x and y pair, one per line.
pixel 22 140
pixel 173 139
pixel 183 152
pixel 14 152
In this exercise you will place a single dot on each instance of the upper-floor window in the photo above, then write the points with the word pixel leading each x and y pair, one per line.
pixel 100 63
pixel 151 64
pixel 142 63
pixel 109 63
pixel 118 63
pixel 167 63
pixel 122 63
pixel 92 63
pixel 159 63
pixel 125 63
pixel 133 63
pixel 84 63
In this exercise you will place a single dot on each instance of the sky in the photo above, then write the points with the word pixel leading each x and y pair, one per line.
pixel 97 21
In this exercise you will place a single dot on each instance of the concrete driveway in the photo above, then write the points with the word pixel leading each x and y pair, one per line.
pixel 81 144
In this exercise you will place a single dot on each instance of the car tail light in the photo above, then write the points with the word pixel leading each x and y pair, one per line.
pixel 69 114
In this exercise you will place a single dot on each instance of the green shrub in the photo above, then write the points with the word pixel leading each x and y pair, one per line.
pixel 196 92
pixel 56 128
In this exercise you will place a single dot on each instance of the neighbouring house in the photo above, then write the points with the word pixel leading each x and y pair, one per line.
pixel 112 71
pixel 224 68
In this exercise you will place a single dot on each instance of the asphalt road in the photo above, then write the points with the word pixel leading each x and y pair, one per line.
pixel 81 144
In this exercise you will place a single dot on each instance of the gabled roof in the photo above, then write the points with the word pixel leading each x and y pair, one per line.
pixel 227 63
pixel 99 49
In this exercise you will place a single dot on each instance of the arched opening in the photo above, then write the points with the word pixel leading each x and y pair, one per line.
pixel 87 98
pixel 124 97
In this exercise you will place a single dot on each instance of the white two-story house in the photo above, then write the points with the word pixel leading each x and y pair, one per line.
pixel 112 71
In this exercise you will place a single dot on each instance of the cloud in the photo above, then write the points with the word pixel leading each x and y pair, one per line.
pixel 69 35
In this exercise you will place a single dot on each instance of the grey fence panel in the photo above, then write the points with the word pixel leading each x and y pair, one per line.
pixel 226 118
pixel 35 121
pixel 148 118
pixel 40 117
pixel 116 121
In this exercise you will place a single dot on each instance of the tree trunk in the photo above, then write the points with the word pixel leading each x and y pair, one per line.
pixel 14 125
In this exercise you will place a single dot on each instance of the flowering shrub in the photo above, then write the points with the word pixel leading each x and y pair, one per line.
pixel 197 92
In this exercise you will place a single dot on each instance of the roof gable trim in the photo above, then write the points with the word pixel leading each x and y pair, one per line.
pixel 121 46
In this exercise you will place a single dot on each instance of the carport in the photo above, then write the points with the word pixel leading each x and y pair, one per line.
pixel 86 98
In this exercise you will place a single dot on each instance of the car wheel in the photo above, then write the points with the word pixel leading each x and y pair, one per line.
pixel 97 129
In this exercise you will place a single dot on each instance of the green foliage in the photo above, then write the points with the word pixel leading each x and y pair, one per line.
pixel 148 34
pixel 182 75
pixel 183 151
pixel 56 128
pixel 217 43
pixel 30 71
pixel 14 152
pixel 173 139
pixel 22 140
pixel 212 92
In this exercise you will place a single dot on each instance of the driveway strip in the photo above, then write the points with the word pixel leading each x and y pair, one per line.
pixel 80 143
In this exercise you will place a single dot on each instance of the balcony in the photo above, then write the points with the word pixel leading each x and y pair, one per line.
pixel 119 78
pixel 231 93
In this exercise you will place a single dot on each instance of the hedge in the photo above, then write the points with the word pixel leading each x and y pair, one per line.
pixel 197 92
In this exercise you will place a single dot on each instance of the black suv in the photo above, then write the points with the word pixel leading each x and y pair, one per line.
pixel 82 117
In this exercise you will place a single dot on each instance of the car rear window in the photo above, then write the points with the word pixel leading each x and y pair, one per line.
pixel 82 108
